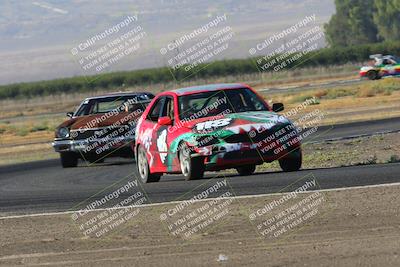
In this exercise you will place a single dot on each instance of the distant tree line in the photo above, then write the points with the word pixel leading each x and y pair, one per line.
pixel 364 21
pixel 114 81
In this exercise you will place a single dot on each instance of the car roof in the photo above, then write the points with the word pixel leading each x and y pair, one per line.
pixel 208 87
pixel 395 58
pixel 114 94
pixel 380 56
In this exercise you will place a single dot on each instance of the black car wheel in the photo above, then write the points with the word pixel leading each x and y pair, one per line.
pixel 246 170
pixel 192 167
pixel 68 159
pixel 143 168
pixel 292 161
pixel 373 75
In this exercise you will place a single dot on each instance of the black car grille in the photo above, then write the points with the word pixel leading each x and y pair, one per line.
pixel 257 137
pixel 106 132
pixel 239 138
pixel 249 154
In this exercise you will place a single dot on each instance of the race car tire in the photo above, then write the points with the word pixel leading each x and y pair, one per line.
pixel 68 159
pixel 292 161
pixel 143 168
pixel 246 170
pixel 373 75
pixel 192 168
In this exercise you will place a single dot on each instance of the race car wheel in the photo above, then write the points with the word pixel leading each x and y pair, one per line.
pixel 292 161
pixel 373 75
pixel 192 167
pixel 143 168
pixel 68 159
pixel 246 170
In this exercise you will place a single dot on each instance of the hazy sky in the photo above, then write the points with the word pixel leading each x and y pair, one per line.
pixel 37 36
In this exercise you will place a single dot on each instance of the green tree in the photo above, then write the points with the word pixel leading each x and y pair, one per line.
pixel 352 24
pixel 336 31
pixel 387 19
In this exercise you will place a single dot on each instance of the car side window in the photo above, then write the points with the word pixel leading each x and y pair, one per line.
pixel 155 111
pixel 82 109
pixel 168 109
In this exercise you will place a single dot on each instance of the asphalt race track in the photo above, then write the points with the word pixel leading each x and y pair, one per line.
pixel 44 186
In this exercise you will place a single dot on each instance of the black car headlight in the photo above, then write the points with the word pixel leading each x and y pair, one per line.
pixel 63 132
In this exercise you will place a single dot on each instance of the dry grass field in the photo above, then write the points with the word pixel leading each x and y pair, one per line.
pixel 24 122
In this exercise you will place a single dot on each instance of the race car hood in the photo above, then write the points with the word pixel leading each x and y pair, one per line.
pixel 221 127
pixel 237 122
pixel 92 121
pixel 367 68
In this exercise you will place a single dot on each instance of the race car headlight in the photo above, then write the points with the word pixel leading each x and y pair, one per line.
pixel 63 132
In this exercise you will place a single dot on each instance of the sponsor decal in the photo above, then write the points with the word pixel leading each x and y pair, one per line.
pixel 208 125
pixel 162 145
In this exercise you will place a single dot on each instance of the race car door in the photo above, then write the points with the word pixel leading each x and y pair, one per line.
pixel 161 135
pixel 158 147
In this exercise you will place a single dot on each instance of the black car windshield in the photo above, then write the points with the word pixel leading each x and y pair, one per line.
pixel 125 103
pixel 212 103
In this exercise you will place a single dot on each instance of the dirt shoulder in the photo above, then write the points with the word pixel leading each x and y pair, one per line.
pixel 351 227
pixel 376 149
pixel 342 104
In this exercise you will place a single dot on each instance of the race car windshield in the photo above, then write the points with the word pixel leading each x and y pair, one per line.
pixel 214 103
pixel 115 103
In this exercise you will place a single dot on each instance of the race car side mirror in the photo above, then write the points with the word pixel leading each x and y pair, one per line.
pixel 276 107
pixel 70 114
pixel 164 121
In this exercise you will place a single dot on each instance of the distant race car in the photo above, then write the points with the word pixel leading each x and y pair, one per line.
pixel 381 66
pixel 101 127
pixel 210 128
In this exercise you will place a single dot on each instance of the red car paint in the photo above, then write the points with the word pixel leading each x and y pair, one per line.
pixel 162 142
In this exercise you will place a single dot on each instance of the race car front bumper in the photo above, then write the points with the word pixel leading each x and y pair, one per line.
pixel 224 156
pixel 86 146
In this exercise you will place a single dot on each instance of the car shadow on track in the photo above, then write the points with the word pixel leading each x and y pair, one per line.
pixel 212 175
pixel 113 162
